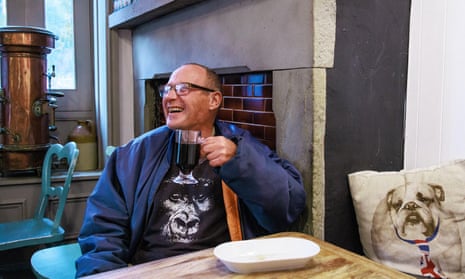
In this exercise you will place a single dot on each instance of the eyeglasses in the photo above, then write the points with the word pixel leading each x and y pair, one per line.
pixel 181 89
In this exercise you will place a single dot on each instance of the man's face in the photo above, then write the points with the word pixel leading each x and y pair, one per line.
pixel 190 111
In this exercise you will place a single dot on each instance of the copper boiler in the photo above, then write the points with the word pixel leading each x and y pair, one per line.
pixel 26 106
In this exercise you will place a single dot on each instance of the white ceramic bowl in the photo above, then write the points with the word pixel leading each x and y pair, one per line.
pixel 267 254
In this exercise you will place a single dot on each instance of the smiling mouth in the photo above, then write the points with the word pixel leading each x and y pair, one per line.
pixel 175 109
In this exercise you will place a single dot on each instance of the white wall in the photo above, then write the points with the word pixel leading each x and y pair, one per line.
pixel 435 118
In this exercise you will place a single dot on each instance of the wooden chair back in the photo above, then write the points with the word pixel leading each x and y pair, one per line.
pixel 56 152
pixel 40 229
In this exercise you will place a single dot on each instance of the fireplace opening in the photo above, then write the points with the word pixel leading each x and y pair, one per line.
pixel 247 103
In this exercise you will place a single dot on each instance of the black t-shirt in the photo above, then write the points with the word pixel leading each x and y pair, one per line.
pixel 184 218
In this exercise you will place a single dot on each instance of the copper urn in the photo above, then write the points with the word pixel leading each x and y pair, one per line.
pixel 27 108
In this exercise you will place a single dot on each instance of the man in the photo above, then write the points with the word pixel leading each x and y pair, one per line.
pixel 137 214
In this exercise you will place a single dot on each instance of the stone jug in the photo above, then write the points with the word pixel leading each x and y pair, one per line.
pixel 85 137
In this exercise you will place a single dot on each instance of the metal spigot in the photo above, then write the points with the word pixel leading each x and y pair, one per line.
pixel 49 76
pixel 48 105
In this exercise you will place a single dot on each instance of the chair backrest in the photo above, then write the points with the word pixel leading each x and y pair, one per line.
pixel 57 152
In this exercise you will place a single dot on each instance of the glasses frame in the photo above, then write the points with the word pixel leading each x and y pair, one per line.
pixel 165 89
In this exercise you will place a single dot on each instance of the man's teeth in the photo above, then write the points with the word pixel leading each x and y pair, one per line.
pixel 175 109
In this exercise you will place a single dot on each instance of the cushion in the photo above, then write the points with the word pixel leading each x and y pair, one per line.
pixel 413 220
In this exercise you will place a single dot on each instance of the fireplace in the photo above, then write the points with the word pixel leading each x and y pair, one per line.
pixel 272 56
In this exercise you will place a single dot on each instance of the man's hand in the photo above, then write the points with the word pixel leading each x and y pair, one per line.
pixel 217 150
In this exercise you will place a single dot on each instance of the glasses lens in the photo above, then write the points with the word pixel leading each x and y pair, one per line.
pixel 182 88
pixel 164 89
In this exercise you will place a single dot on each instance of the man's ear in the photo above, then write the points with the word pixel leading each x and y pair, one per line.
pixel 215 100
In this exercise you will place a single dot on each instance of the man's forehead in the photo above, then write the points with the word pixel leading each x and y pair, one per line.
pixel 190 73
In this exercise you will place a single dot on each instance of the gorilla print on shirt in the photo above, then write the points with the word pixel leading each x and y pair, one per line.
pixel 184 218
pixel 184 208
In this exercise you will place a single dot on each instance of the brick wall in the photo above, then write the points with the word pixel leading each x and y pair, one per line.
pixel 247 102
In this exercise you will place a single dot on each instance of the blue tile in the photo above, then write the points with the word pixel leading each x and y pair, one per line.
pixel 256 78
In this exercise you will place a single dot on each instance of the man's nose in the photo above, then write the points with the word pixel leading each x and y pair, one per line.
pixel 171 94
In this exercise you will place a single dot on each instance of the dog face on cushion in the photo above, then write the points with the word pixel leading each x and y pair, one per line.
pixel 410 213
pixel 414 209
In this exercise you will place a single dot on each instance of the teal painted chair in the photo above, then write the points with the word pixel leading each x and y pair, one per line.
pixel 56 262
pixel 40 229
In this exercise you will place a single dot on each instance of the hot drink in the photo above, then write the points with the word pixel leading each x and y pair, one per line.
pixel 187 156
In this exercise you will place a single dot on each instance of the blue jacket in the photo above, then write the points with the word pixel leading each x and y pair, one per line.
pixel 263 194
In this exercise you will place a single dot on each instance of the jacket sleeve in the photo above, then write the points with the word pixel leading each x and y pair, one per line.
pixel 270 187
pixel 103 234
pixel 116 210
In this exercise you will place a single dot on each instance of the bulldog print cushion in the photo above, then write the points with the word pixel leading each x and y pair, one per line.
pixel 413 220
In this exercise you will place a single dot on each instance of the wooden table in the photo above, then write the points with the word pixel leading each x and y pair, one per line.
pixel 332 262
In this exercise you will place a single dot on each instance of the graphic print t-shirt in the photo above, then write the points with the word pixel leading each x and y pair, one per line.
pixel 185 218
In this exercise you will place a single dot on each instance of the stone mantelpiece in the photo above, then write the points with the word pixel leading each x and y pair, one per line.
pixel 140 12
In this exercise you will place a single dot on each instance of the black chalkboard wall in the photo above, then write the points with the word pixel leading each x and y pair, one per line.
pixel 366 93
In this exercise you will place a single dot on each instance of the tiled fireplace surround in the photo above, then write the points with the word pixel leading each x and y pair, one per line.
pixel 248 103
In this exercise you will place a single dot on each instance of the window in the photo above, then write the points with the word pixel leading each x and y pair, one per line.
pixel 72 22
pixel 59 21
pixel 2 13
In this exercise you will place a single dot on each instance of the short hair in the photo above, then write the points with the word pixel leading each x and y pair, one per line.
pixel 212 77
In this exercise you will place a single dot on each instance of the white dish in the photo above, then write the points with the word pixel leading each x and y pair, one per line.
pixel 267 254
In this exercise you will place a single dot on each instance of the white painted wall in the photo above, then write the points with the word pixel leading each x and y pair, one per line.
pixel 435 117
